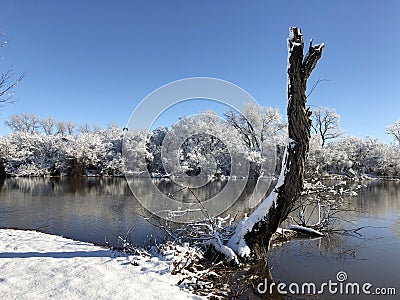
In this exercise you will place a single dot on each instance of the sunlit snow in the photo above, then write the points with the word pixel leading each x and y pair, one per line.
pixel 35 265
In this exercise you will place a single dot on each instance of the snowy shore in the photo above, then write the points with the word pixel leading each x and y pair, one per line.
pixel 35 265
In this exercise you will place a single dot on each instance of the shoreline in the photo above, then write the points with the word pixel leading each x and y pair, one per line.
pixel 39 265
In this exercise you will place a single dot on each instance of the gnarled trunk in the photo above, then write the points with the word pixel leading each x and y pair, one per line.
pixel 253 235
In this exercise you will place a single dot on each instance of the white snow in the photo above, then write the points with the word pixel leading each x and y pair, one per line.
pixel 35 265
pixel 281 230
pixel 220 247
pixel 306 230
pixel 237 242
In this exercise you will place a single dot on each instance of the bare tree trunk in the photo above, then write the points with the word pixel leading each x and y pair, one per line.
pixel 2 169
pixel 253 236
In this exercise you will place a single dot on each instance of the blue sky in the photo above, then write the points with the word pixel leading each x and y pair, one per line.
pixel 96 60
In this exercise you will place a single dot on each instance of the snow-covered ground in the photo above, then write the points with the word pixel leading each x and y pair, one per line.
pixel 35 265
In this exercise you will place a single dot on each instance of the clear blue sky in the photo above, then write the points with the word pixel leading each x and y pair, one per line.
pixel 95 60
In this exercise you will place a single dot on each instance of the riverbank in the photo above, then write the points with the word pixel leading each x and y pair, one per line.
pixel 35 265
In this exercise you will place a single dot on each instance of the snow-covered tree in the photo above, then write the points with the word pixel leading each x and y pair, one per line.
pixel 61 128
pixel 32 154
pixel 154 146
pixel 134 150
pixel 394 130
pixel 112 163
pixel 255 124
pixel 315 159
pixel 48 125
pixel 354 156
pixel 70 127
pixel 85 128
pixel 23 122
pixel 258 127
pixel 326 123
pixel 89 150
pixel 64 128
pixel 187 144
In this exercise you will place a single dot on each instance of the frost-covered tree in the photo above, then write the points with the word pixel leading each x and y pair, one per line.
pixel 134 149
pixel 61 128
pixel 65 128
pixel 89 150
pixel 48 125
pixel 326 123
pixel 154 146
pixel 188 143
pixel 315 159
pixel 85 128
pixel 27 153
pixel 354 157
pixel 70 127
pixel 203 145
pixel 255 124
pixel 112 163
pixel 394 130
pixel 23 122
pixel 258 127
pixel 33 154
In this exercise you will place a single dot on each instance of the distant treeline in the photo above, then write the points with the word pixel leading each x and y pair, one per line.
pixel 201 144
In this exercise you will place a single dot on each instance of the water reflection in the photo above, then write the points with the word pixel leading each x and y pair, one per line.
pixel 380 198
pixel 38 186
pixel 372 257
pixel 216 197
pixel 92 209
pixel 96 209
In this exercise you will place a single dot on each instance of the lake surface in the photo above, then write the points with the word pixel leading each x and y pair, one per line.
pixel 99 209
pixel 94 209
pixel 373 257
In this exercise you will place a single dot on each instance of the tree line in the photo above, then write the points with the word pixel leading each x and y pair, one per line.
pixel 47 147
pixel 31 123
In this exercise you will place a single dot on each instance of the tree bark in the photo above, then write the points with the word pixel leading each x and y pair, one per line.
pixel 299 125
pixel 2 169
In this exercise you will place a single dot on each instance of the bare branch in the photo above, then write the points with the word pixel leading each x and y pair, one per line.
pixel 315 85
pixel 7 83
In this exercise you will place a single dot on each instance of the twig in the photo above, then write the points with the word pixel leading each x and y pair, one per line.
pixel 315 85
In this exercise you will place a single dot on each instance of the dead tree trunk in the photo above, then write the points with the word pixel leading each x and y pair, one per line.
pixel 253 236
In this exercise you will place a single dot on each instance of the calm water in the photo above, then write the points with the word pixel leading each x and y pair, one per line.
pixel 372 257
pixel 100 209
pixel 92 209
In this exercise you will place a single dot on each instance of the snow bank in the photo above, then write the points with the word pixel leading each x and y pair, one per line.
pixel 35 265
